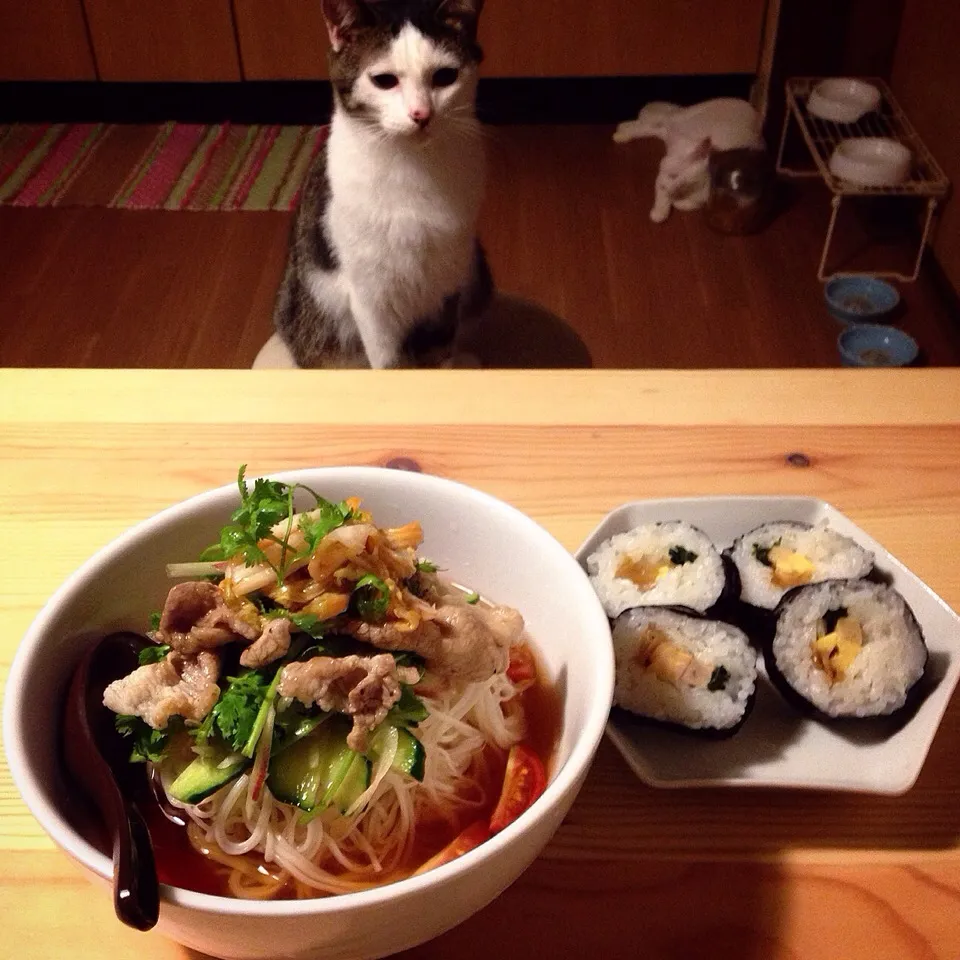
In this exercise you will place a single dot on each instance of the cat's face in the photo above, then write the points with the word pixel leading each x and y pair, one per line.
pixel 407 68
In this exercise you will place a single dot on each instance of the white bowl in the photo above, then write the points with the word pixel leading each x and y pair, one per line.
pixel 485 543
pixel 871 161
pixel 843 99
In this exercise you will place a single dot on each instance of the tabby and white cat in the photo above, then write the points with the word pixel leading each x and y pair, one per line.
pixel 384 264
pixel 691 135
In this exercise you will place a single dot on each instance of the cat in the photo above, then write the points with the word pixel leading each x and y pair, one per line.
pixel 691 135
pixel 384 267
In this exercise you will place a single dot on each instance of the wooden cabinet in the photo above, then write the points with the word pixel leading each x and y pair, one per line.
pixel 44 40
pixel 281 40
pixel 209 40
pixel 926 81
pixel 528 38
pixel 538 38
pixel 164 39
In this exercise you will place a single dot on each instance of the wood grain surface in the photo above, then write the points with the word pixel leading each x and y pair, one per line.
pixel 633 871
pixel 163 39
pixel 281 40
pixel 566 228
pixel 620 37
pixel 44 40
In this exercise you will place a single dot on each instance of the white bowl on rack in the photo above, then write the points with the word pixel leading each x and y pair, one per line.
pixel 871 161
pixel 843 99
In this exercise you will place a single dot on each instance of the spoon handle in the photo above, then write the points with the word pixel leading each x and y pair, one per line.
pixel 136 893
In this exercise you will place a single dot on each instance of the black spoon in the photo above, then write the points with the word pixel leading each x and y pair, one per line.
pixel 98 758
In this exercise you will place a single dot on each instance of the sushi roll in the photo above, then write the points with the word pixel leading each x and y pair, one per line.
pixel 657 564
pixel 846 648
pixel 776 557
pixel 684 670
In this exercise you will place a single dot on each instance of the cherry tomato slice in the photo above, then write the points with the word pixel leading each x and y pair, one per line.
pixel 523 782
pixel 465 841
pixel 522 670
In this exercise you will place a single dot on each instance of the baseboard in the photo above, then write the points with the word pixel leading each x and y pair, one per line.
pixel 554 100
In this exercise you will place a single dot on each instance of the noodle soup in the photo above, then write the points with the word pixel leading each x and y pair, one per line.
pixel 322 711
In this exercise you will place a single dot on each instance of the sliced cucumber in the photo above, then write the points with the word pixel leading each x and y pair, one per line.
pixel 206 775
pixel 318 769
pixel 410 757
pixel 354 782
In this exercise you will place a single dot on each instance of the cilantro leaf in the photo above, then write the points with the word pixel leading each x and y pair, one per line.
pixel 235 713
pixel 406 658
pixel 371 597
pixel 148 744
pixel 155 621
pixel 326 516
pixel 472 597
pixel 240 713
pixel 427 566
pixel 307 623
pixel 153 653
pixel 408 711
pixel 268 504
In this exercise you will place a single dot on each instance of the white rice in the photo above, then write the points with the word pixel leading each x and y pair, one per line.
pixel 890 662
pixel 697 584
pixel 712 642
pixel 834 557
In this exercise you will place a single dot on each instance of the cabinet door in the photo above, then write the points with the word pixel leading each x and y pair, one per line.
pixel 44 40
pixel 163 39
pixel 281 40
pixel 524 38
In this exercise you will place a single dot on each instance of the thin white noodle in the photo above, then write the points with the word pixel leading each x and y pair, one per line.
pixel 374 842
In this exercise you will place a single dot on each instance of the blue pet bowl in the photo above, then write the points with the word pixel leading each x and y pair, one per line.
pixel 875 345
pixel 860 299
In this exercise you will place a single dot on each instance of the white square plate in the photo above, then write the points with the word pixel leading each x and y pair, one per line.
pixel 777 747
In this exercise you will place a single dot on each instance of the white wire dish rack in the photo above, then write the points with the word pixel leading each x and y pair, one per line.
pixel 926 179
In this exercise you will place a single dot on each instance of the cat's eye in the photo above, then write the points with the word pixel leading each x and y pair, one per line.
pixel 445 76
pixel 385 81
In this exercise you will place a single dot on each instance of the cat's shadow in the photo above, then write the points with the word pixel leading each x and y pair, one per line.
pixel 514 332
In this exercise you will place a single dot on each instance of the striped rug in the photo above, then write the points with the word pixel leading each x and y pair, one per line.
pixel 175 166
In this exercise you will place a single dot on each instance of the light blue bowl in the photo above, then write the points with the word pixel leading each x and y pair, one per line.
pixel 875 345
pixel 860 299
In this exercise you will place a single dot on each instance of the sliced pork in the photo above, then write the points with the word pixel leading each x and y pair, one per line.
pixel 196 617
pixel 175 686
pixel 364 688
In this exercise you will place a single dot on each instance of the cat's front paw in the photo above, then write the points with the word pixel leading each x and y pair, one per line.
pixel 659 214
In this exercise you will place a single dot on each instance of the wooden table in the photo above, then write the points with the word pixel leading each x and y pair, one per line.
pixel 633 872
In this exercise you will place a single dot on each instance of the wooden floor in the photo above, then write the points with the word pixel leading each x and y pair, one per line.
pixel 566 228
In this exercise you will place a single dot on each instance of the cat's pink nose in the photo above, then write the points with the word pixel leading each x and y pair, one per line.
pixel 420 116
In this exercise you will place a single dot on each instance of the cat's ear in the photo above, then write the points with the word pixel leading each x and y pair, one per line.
pixel 341 17
pixel 462 15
